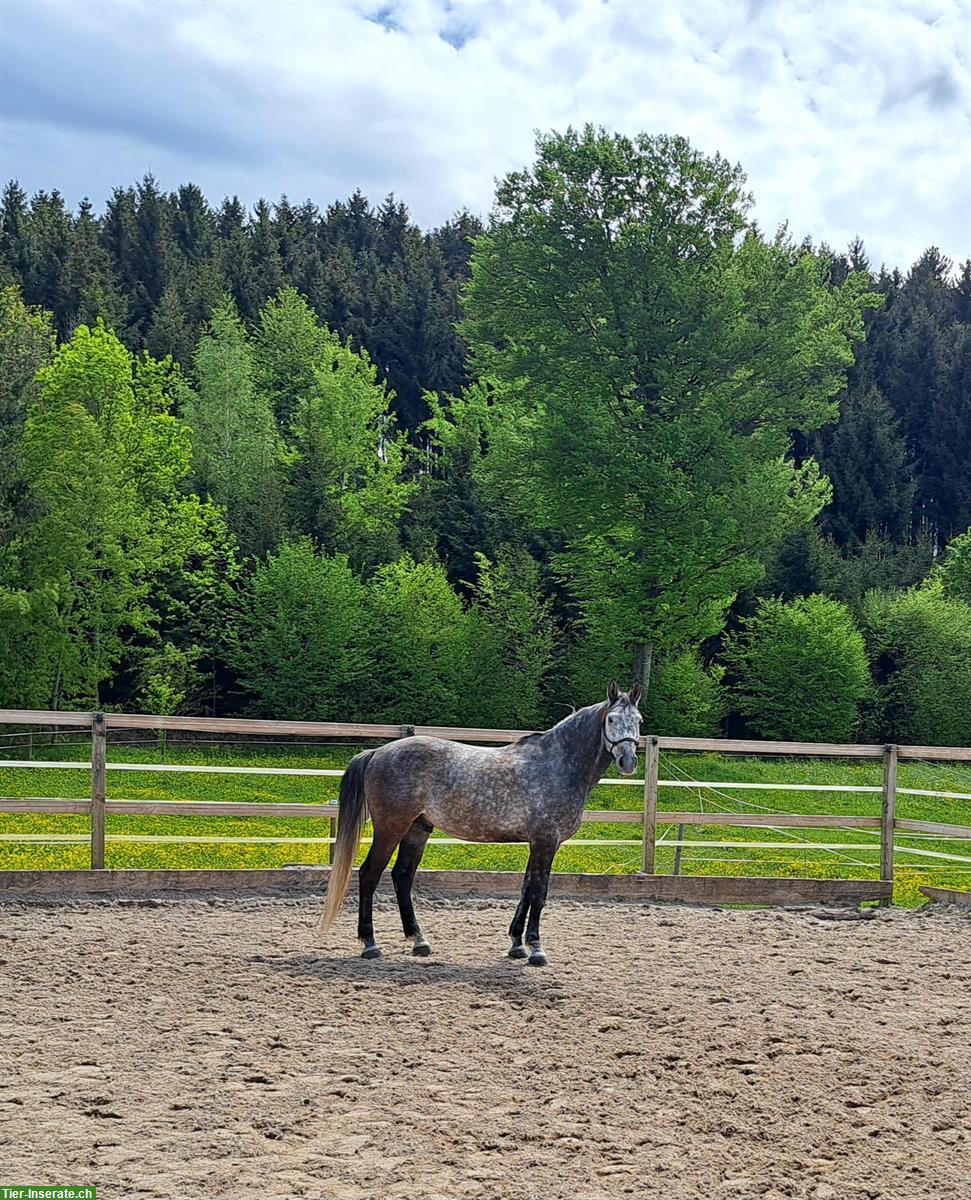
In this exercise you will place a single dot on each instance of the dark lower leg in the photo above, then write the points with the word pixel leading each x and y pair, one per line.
pixel 517 950
pixel 403 874
pixel 371 869
pixel 537 901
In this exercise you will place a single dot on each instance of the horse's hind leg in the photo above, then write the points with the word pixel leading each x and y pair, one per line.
pixel 403 874
pixel 377 859
pixel 517 949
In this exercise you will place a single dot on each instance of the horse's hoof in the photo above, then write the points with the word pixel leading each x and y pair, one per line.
pixel 421 948
pixel 537 958
pixel 371 952
pixel 518 951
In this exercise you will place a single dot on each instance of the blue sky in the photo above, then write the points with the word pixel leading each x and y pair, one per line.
pixel 850 117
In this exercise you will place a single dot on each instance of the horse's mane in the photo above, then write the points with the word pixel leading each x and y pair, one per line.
pixel 541 733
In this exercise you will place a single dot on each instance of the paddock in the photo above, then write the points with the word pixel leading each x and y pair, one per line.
pixel 211 1049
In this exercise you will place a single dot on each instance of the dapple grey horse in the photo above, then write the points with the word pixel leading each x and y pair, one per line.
pixel 532 791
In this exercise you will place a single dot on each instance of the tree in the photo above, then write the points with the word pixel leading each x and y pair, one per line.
pixel 919 643
pixel 106 467
pixel 422 668
pixel 345 460
pixel 953 573
pixel 91 289
pixel 517 624
pixel 236 448
pixel 649 369
pixel 289 346
pixel 14 238
pixel 195 605
pixel 684 699
pixel 799 670
pixel 947 447
pixel 865 457
pixel 49 239
pixel 26 345
pixel 302 636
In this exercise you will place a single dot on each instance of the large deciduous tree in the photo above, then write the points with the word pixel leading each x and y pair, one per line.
pixel 105 466
pixel 236 447
pixel 651 355
pixel 345 459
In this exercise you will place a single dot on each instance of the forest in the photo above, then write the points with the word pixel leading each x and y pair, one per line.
pixel 323 464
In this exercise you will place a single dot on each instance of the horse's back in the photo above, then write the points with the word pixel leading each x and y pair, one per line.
pixel 472 792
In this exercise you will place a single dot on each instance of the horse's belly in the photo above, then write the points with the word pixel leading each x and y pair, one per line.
pixel 479 822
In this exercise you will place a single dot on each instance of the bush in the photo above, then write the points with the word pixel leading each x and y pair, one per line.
pixel 800 670
pixel 300 646
pixel 684 699
pixel 919 643
pixel 428 651
pixel 954 572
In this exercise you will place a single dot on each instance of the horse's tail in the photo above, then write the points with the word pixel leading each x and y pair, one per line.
pixel 351 819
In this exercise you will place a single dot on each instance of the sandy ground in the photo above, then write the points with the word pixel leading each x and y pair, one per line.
pixel 210 1049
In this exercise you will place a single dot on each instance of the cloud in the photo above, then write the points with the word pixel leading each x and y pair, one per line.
pixel 848 117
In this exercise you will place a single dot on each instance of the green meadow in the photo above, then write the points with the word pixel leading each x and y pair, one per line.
pixel 38 842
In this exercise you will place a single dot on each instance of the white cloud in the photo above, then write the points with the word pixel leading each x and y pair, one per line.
pixel 848 117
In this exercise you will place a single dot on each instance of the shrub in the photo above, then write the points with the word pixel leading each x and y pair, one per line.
pixel 800 670
pixel 428 650
pixel 683 699
pixel 300 646
pixel 919 643
pixel 954 572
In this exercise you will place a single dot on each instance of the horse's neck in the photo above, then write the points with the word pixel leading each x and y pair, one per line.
pixel 578 743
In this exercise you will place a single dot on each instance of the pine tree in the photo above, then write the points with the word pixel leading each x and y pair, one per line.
pixel 267 264
pixel 26 345
pixel 91 290
pixel 236 259
pixel 14 238
pixel 865 457
pixel 49 239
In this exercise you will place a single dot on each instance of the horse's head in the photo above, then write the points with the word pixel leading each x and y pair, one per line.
pixel 622 727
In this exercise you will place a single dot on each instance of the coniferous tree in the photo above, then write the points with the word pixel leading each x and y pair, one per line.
pixel 91 290
pixel 49 240
pixel 865 457
pixel 14 238
pixel 26 345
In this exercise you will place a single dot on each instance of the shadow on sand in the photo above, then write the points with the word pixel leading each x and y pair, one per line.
pixel 503 978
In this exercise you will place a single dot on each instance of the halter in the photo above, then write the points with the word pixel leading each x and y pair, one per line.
pixel 618 741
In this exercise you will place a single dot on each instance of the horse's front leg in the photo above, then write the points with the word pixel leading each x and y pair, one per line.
pixel 535 886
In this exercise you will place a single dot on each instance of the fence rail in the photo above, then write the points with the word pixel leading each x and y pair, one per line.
pixel 98 806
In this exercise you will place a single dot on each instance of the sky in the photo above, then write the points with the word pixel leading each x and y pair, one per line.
pixel 849 118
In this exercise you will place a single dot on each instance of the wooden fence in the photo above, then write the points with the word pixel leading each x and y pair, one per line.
pixel 647 816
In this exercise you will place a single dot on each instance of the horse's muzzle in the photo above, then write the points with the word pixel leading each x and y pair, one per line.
pixel 626 761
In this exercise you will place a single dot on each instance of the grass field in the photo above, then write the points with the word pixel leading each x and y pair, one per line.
pixel 36 841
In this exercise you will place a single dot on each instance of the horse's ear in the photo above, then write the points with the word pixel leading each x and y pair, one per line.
pixel 613 692
pixel 635 694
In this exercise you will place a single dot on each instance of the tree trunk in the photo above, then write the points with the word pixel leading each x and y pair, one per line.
pixel 643 654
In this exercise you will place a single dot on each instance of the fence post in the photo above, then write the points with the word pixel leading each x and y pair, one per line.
pixel 99 754
pixel 888 815
pixel 332 833
pixel 650 804
pixel 677 851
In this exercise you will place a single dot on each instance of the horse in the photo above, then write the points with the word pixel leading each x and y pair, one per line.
pixel 533 791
